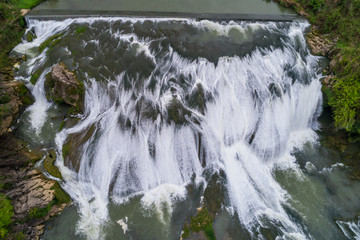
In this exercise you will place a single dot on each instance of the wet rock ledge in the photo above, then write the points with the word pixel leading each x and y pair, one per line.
pixel 27 197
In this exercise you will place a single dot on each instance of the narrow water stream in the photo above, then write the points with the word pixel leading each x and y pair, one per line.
pixel 169 103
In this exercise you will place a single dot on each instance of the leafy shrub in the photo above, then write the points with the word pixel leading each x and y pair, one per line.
pixel 315 5
pixel 40 212
pixel 6 212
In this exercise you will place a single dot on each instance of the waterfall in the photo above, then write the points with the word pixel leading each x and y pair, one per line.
pixel 168 99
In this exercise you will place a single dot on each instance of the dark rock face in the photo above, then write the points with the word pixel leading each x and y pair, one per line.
pixel 27 188
pixel 63 87
pixel 14 96
pixel 72 148
pixel 319 44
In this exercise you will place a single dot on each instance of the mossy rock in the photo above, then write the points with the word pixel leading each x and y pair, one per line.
pixel 51 41
pixel 30 36
pixel 71 149
pixel 202 222
pixel 24 94
pixel 49 165
pixel 35 76
pixel 4 98
pixel 60 195
pixel 216 187
pixel 63 87
pixel 22 89
pixel 36 212
pixel 80 30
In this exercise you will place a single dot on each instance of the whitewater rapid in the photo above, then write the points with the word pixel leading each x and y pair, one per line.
pixel 157 111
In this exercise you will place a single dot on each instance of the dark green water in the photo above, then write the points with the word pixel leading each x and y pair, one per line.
pixel 165 6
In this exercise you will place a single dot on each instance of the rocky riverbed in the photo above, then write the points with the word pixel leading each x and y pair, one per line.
pixel 34 197
pixel 29 190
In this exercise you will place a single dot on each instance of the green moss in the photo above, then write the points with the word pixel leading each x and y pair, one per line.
pixel 11 31
pixel 201 222
pixel 35 76
pixel 40 212
pixel 49 165
pixel 80 30
pixel 30 36
pixel 22 89
pixel 20 236
pixel 26 4
pixel 60 195
pixel 186 232
pixel 27 100
pixel 53 40
pixel 62 125
pixel 4 110
pixel 66 149
pixel 4 98
pixel 6 212
pixel 74 110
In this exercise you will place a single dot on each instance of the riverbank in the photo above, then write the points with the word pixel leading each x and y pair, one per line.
pixel 27 198
pixel 335 34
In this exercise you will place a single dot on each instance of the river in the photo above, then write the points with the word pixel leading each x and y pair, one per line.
pixel 172 102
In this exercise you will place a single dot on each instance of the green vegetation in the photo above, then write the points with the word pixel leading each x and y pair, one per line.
pixel 6 212
pixel 339 21
pixel 60 195
pixel 66 149
pixel 62 125
pixel 22 89
pixel 24 94
pixel 40 212
pixel 11 31
pixel 80 30
pixel 25 4
pixel 201 222
pixel 4 98
pixel 49 165
pixel 20 236
pixel 30 36
pixel 35 76
pixel 51 41
pixel 342 19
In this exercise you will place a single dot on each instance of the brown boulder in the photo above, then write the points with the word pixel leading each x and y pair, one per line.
pixel 13 97
pixel 318 43
pixel 65 87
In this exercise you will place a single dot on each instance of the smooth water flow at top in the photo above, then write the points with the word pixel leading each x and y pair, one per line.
pixel 170 101
pixel 81 7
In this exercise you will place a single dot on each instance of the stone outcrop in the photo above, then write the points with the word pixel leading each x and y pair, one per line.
pixel 34 197
pixel 319 44
pixel 62 86
pixel 14 96
pixel 293 5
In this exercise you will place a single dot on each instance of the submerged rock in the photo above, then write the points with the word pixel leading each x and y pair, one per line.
pixel 72 147
pixel 30 36
pixel 62 86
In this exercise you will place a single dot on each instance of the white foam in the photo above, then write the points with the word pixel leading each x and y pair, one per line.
pixel 116 163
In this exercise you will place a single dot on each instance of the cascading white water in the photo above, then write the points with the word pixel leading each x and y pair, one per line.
pixel 257 108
